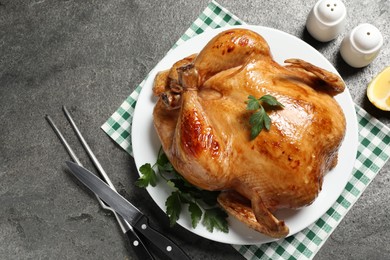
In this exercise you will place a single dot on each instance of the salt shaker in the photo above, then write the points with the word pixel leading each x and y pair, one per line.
pixel 326 20
pixel 361 46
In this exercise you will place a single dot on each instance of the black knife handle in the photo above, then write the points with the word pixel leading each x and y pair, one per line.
pixel 138 247
pixel 164 244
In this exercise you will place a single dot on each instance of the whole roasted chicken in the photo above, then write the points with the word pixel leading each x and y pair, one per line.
pixel 203 124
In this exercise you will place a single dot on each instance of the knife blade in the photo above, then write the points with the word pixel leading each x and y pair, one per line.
pixel 128 211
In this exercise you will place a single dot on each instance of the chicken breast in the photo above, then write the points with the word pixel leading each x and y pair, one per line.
pixel 203 124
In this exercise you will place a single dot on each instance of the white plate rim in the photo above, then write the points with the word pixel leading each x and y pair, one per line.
pixel 145 142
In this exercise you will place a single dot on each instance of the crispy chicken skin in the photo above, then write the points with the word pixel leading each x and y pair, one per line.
pixel 202 122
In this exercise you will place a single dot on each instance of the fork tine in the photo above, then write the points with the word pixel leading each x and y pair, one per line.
pixel 88 149
pixel 63 140
pixel 72 154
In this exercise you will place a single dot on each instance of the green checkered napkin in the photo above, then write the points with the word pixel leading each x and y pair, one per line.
pixel 373 152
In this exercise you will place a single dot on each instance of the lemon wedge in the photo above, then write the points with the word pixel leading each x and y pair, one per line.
pixel 378 90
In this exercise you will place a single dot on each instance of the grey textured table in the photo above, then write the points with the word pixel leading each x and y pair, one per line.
pixel 90 55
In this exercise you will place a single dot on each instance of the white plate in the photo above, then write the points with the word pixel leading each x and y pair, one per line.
pixel 283 46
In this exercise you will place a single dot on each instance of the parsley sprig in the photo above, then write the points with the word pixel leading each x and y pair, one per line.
pixel 260 119
pixel 202 204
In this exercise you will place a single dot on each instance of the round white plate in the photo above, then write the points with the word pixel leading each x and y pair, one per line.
pixel 283 46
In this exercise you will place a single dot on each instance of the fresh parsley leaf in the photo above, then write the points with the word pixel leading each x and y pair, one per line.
pixel 209 197
pixel 266 121
pixel 173 205
pixel 257 122
pixel 260 119
pixel 256 118
pixel 163 163
pixel 196 214
pixel 186 198
pixel 255 130
pixel 252 103
pixel 148 176
pixel 215 218
pixel 270 100
pixel 183 186
pixel 184 193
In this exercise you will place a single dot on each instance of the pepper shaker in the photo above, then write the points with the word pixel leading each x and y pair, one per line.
pixel 326 20
pixel 361 46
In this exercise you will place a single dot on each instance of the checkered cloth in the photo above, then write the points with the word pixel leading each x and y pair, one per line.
pixel 373 152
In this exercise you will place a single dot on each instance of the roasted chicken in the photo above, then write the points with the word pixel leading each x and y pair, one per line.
pixel 203 124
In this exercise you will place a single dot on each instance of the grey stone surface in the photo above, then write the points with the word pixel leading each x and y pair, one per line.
pixel 89 55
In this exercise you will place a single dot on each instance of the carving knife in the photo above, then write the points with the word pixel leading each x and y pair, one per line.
pixel 130 213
